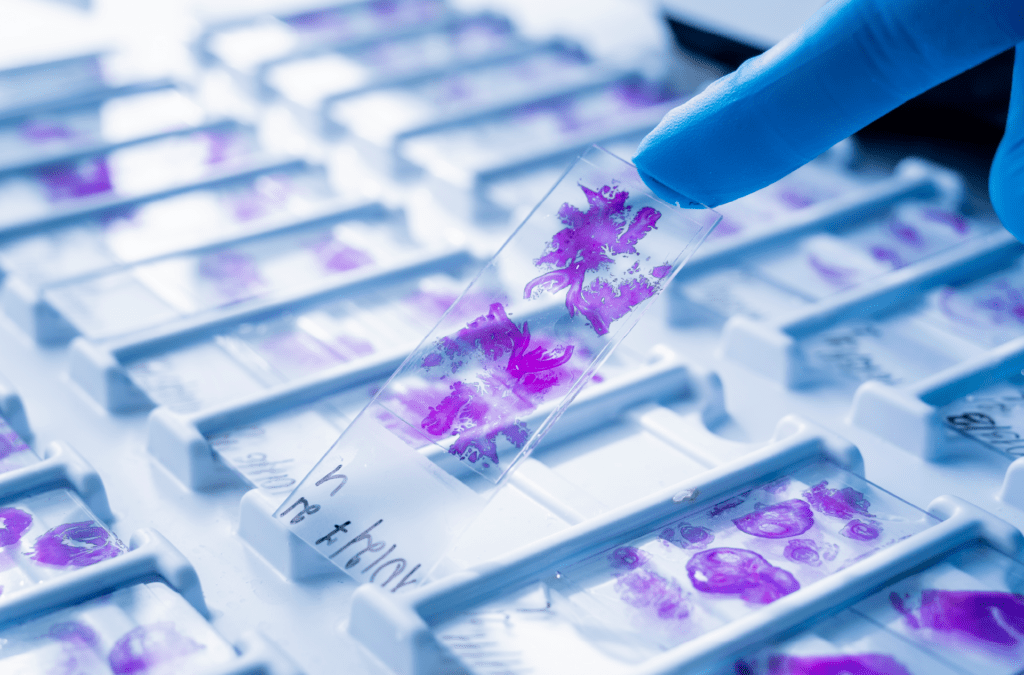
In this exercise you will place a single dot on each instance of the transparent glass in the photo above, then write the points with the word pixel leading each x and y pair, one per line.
pixel 682 578
pixel 146 624
pixel 967 610
pixel 502 365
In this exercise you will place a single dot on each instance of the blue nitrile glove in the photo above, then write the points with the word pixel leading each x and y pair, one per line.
pixel 850 64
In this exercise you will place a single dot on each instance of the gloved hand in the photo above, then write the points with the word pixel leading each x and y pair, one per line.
pixel 850 64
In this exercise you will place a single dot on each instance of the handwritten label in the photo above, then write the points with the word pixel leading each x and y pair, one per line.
pixel 388 513
pixel 995 418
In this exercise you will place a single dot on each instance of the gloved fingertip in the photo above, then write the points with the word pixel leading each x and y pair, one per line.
pixel 665 193
pixel 1006 186
pixel 1006 178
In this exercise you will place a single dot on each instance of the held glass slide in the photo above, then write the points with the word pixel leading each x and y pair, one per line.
pixel 419 463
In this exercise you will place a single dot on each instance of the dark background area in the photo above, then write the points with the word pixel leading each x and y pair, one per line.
pixel 958 123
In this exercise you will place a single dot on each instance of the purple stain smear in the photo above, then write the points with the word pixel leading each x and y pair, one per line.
pixel 220 146
pixel 947 301
pixel 627 558
pixel 907 234
pixel 885 254
pixel 76 545
pixel 321 20
pixel 844 503
pixel 74 632
pixel 10 442
pixel 310 354
pixel 338 24
pixel 235 275
pixel 860 664
pixel 143 647
pixel 803 551
pixel 267 197
pixel 13 524
pixel 661 271
pixel 517 373
pixel 648 590
pixel 834 274
pixel 956 222
pixel 731 503
pixel 123 216
pixel 74 180
pixel 432 305
pixel 1004 303
pixel 796 200
pixel 981 616
pixel 861 531
pixel 41 131
pixel 727 227
pixel 697 536
pixel 779 521
pixel 590 242
pixel 639 94
pixel 899 606
pixel 688 536
pixel 337 256
pixel 350 347
pixel 737 571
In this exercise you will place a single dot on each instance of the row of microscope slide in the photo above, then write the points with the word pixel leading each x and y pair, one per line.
pixel 252 302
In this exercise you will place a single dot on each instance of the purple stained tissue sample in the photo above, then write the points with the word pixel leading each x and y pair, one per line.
pixel 906 233
pixel 727 227
pixel 146 646
pixel 627 558
pixel 10 441
pixel 737 571
pixel 513 371
pixel 1000 303
pixel 778 521
pixel 221 146
pixel 75 633
pixel 796 199
pixel 731 503
pixel 235 275
pixel 647 590
pixel 516 372
pixel 337 256
pixel 41 131
pixel 958 223
pixel 320 20
pixel 844 503
pixel 76 179
pixel 809 552
pixel 837 275
pixel 638 94
pixel 76 545
pixel 886 254
pixel 989 617
pixel 431 304
pixel 13 524
pixel 268 195
pixel 686 535
pixel 300 350
pixel 591 242
pixel 860 664
pixel 861 531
